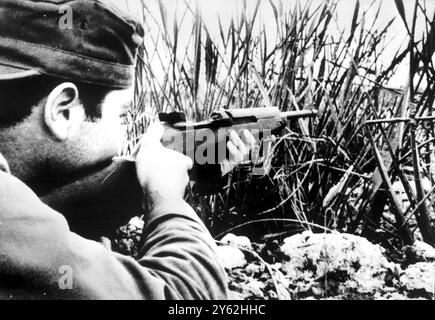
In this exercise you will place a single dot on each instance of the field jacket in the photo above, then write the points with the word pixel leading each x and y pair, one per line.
pixel 40 258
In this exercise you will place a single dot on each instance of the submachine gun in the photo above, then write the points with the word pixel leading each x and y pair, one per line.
pixel 109 194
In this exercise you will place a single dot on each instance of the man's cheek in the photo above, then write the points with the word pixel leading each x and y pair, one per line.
pixel 115 134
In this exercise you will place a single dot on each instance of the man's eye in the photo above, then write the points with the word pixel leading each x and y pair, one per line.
pixel 124 118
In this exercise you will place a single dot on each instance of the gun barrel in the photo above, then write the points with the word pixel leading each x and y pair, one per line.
pixel 396 120
pixel 299 114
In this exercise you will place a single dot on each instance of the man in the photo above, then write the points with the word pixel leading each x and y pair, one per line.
pixel 62 95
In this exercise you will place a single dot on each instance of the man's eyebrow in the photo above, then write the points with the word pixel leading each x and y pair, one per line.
pixel 127 105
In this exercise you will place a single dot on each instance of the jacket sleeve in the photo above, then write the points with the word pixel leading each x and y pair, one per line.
pixel 41 258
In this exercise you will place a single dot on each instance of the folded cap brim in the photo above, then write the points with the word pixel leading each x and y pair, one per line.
pixel 12 73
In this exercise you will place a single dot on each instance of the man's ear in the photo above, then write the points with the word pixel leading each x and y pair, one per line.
pixel 63 112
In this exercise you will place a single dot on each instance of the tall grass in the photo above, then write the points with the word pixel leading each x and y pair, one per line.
pixel 339 171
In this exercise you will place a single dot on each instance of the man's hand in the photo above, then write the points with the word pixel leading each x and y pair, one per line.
pixel 162 173
pixel 239 147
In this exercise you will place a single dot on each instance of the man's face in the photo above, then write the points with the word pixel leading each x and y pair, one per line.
pixel 102 139
pixel 111 127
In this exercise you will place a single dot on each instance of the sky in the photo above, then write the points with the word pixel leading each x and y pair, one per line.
pixel 226 9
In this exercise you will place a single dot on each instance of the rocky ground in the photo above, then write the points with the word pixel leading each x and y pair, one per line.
pixel 326 266
pixel 314 266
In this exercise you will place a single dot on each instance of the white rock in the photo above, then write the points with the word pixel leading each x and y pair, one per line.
pixel 255 288
pixel 238 241
pixel 234 295
pixel 424 252
pixel 231 257
pixel 420 276
pixel 354 260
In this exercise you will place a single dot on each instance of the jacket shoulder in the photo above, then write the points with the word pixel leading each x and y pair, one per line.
pixel 16 198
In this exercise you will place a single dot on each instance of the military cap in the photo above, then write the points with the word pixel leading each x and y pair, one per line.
pixel 90 41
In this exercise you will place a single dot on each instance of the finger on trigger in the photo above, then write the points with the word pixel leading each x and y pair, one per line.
pixel 248 138
pixel 235 154
pixel 237 141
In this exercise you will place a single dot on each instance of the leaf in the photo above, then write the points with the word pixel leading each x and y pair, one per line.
pixel 163 16
pixel 261 87
pixel 276 15
pixel 197 61
pixel 354 21
pixel 221 32
pixel 401 8
pixel 211 60
pixel 176 32
pixel 337 189
pixel 394 202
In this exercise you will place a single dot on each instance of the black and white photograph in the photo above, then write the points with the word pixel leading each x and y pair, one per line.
pixel 236 151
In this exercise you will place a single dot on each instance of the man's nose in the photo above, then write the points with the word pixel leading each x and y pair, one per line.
pixel 3 164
